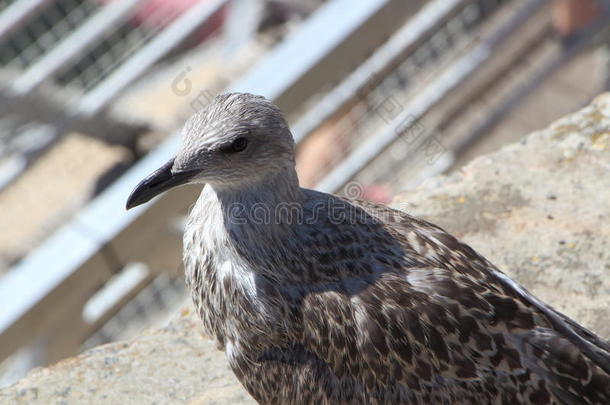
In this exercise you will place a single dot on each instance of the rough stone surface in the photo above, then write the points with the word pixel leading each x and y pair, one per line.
pixel 172 365
pixel 538 209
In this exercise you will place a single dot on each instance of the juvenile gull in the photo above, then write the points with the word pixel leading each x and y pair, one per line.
pixel 319 299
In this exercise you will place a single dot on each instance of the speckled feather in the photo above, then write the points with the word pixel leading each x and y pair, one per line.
pixel 367 305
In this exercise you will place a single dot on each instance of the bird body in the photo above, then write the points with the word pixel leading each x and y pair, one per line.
pixel 320 299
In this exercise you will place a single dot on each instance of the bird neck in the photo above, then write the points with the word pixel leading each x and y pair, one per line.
pixel 256 205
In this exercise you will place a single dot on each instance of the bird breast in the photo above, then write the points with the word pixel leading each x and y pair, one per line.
pixel 223 285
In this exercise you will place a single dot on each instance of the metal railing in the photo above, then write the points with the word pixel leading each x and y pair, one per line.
pixel 14 15
pixel 410 103
pixel 84 54
pixel 31 28
pixel 74 45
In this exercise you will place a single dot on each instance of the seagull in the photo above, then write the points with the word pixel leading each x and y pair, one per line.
pixel 315 298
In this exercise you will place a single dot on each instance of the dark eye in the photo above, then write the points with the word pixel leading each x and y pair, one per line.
pixel 237 145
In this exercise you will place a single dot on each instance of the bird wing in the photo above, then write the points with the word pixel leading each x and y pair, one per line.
pixel 423 331
pixel 447 251
pixel 439 316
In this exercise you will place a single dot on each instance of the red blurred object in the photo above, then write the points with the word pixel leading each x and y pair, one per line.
pixel 569 16
pixel 156 14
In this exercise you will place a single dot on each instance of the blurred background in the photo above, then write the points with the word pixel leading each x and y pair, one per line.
pixel 380 94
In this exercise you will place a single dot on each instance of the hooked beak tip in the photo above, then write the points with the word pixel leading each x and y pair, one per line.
pixel 156 183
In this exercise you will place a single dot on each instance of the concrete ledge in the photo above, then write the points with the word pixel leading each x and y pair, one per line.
pixel 538 209
pixel 172 365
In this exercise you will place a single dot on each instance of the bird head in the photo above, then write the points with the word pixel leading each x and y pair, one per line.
pixel 238 140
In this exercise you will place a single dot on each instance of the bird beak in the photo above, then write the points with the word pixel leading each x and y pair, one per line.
pixel 156 183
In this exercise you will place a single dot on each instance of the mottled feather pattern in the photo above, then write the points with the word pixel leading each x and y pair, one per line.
pixel 333 301
pixel 382 312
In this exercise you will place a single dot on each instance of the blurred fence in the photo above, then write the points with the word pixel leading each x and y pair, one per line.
pixel 385 97
pixel 390 109
pixel 64 61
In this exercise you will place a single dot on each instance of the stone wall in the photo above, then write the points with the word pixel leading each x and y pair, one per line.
pixel 539 209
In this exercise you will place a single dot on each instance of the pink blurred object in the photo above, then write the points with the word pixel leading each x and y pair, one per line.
pixel 377 193
pixel 155 14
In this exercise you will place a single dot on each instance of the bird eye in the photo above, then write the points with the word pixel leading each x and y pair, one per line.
pixel 237 145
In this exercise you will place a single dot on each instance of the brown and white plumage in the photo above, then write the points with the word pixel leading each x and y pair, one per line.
pixel 315 298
